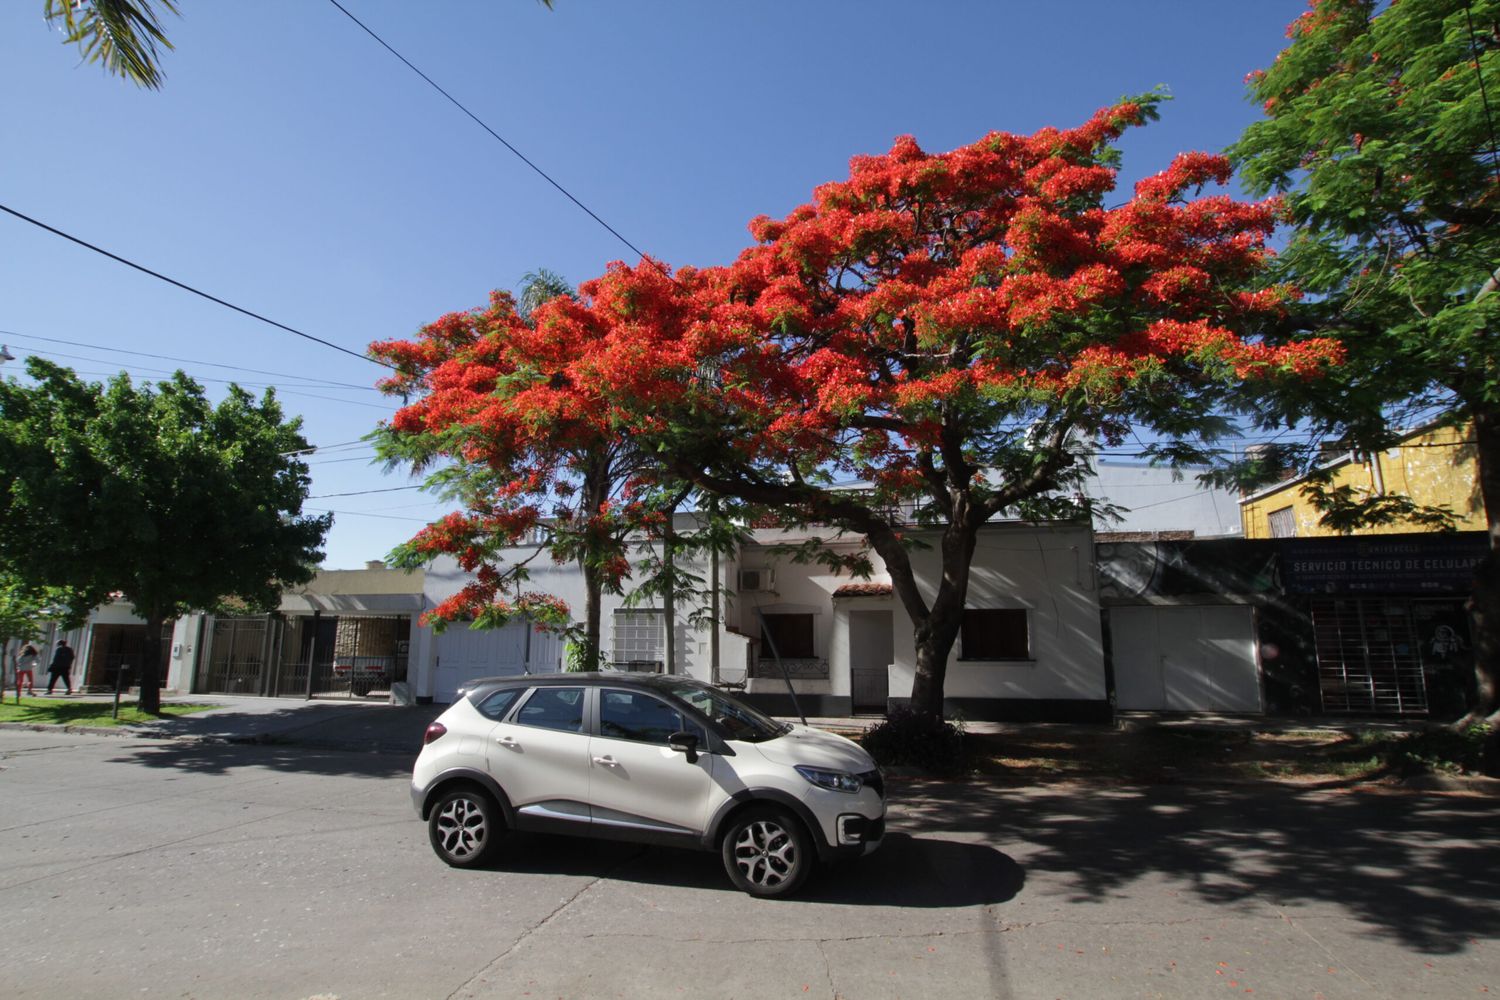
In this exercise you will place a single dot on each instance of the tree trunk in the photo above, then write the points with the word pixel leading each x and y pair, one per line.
pixel 669 599
pixel 1484 605
pixel 149 674
pixel 937 632
pixel 593 590
pixel 593 495
pixel 713 598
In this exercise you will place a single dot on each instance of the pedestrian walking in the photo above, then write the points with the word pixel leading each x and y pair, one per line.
pixel 62 667
pixel 26 669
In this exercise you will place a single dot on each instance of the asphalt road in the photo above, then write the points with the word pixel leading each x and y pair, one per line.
pixel 136 868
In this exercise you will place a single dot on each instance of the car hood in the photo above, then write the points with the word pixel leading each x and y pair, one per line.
pixel 805 745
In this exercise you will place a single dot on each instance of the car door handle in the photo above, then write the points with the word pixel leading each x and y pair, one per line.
pixel 507 741
pixel 606 761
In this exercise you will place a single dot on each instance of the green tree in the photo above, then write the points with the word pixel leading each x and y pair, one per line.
pixel 25 610
pixel 155 494
pixel 121 34
pixel 1380 133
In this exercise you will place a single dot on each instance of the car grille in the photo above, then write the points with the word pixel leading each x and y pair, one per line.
pixel 875 780
pixel 875 831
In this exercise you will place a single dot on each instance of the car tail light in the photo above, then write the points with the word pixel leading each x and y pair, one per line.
pixel 434 731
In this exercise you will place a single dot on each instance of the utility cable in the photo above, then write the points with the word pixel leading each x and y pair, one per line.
pixel 1484 98
pixel 498 137
pixel 189 288
pixel 360 513
pixel 245 385
pixel 323 447
pixel 146 370
pixel 360 493
pixel 317 382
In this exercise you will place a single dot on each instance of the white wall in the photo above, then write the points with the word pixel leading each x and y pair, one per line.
pixel 1049 572
pixel 565 581
pixel 1046 570
pixel 801 589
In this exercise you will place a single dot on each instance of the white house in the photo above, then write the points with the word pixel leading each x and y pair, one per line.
pixel 1030 646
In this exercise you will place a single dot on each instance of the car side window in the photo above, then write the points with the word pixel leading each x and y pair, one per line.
pixel 559 708
pixel 634 715
pixel 496 705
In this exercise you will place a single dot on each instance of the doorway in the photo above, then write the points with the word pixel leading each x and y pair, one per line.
pixel 871 649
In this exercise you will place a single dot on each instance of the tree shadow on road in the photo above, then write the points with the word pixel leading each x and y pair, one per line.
pixel 1420 869
pixel 221 758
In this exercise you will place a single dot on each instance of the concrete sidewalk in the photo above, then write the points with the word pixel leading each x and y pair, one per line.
pixel 378 727
pixel 336 724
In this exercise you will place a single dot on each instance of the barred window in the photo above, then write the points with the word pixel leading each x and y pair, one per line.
pixel 639 636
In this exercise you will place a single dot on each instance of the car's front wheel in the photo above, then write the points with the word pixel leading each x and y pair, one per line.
pixel 465 827
pixel 767 852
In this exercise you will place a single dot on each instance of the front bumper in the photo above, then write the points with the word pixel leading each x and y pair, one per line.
pixel 860 833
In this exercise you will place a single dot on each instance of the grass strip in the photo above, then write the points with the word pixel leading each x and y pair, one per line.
pixel 62 712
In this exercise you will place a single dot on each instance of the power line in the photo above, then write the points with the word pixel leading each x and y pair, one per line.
pixel 284 392
pixel 360 513
pixel 324 447
pixel 336 461
pixel 360 493
pixel 189 288
pixel 144 370
pixel 187 361
pixel 519 155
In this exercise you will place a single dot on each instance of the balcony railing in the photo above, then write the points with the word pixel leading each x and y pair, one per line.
pixel 807 668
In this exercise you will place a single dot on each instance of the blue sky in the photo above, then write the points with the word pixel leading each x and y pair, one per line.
pixel 293 167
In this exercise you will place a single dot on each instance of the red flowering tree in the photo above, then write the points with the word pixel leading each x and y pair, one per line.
pixel 953 330
pixel 532 459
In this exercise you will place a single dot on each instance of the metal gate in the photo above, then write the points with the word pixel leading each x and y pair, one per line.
pixel 350 655
pixel 307 655
pixel 869 690
pixel 1369 658
pixel 237 656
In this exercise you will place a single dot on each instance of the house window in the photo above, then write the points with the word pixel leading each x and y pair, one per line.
pixel 640 640
pixel 1283 523
pixel 994 634
pixel 792 636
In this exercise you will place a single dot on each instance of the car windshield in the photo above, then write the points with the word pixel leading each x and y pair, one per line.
pixel 742 721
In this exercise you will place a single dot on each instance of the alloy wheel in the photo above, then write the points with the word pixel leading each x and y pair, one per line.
pixel 765 853
pixel 462 829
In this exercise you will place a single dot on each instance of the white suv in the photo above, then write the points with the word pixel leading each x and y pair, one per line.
pixel 650 758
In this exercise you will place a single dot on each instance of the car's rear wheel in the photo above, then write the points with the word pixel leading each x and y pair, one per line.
pixel 767 852
pixel 465 827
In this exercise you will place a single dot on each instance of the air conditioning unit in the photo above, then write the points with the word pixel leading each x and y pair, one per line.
pixel 753 580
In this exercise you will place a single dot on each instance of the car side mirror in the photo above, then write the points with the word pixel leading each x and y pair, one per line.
pixel 685 743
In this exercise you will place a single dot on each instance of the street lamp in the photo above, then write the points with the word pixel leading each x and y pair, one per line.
pixel 5 355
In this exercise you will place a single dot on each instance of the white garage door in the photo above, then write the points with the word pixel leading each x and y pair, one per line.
pixel 465 654
pixel 1199 659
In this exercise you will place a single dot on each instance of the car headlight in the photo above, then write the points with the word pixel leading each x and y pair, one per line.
pixel 838 781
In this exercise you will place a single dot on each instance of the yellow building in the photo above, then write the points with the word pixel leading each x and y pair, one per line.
pixel 1432 465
